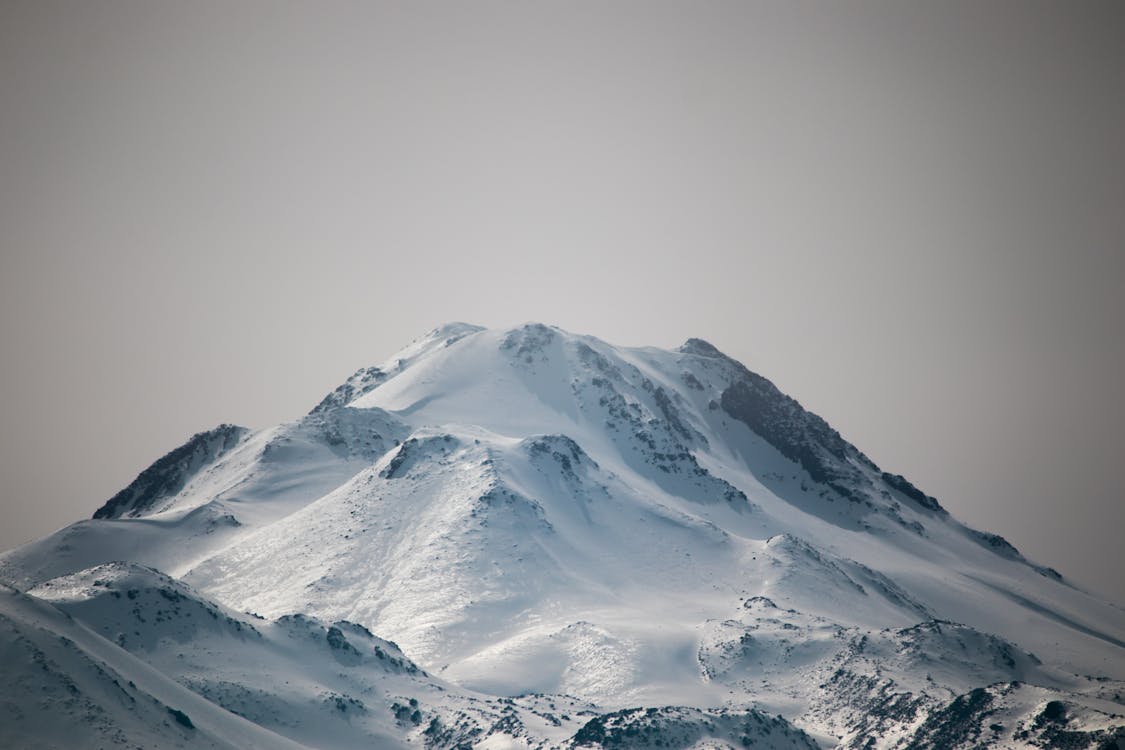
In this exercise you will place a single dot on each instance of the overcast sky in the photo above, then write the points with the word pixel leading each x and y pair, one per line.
pixel 910 216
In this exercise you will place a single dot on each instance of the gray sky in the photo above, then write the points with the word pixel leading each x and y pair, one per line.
pixel 910 216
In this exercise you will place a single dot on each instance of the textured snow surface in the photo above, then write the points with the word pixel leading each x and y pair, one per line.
pixel 549 526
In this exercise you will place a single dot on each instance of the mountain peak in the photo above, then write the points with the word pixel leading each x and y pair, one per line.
pixel 701 348
pixel 531 512
pixel 454 328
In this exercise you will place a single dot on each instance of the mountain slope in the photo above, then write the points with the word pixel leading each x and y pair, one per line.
pixel 530 511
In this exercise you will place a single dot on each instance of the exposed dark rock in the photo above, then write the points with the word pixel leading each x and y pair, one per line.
pixel 597 361
pixel 959 724
pixel 900 483
pixel 562 448
pixel 691 381
pixel 964 723
pixel 997 543
pixel 412 449
pixel 801 436
pixel 338 642
pixel 797 434
pixel 181 718
pixel 701 348
pixel 671 413
pixel 363 381
pixel 169 474
pixel 527 341
pixel 674 727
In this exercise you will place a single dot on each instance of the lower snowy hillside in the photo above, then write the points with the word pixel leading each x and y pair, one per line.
pixel 319 685
pixel 63 686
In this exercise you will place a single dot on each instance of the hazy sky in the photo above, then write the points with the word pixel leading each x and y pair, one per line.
pixel 910 216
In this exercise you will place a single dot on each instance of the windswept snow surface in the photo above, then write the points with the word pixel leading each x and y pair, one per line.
pixel 530 512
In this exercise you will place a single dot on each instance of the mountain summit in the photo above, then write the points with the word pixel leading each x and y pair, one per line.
pixel 570 544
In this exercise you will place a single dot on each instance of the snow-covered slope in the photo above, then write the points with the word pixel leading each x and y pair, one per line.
pixel 325 685
pixel 532 512
pixel 64 686
pixel 238 680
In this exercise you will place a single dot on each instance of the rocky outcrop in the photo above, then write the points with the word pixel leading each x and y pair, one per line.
pixel 171 473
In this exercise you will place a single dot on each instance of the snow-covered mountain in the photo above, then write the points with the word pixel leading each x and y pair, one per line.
pixel 571 544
